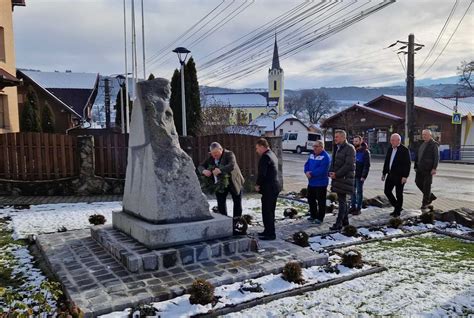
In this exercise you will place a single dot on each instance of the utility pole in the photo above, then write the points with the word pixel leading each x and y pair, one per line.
pixel 456 127
pixel 410 96
pixel 410 119
pixel 107 102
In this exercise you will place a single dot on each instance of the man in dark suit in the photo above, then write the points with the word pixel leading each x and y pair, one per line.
pixel 395 173
pixel 426 163
pixel 222 162
pixel 267 184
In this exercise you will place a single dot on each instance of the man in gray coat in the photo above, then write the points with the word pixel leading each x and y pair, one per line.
pixel 342 176
pixel 220 162
pixel 426 164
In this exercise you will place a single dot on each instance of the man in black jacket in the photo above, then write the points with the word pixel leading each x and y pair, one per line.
pixel 267 184
pixel 361 173
pixel 426 164
pixel 395 173
pixel 342 176
pixel 221 163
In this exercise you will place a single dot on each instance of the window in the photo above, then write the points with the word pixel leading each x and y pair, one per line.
pixel 250 117
pixel 3 109
pixel 281 131
pixel 274 85
pixel 293 137
pixel 285 137
pixel 2 45
pixel 314 137
pixel 291 123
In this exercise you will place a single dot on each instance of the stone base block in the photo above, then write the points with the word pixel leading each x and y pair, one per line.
pixel 138 258
pixel 155 236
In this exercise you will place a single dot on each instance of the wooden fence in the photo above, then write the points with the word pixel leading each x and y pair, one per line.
pixel 111 155
pixel 111 152
pixel 37 156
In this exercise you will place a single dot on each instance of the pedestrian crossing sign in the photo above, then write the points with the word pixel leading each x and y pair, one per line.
pixel 456 119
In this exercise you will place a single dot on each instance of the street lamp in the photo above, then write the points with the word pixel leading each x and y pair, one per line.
pixel 180 51
pixel 121 81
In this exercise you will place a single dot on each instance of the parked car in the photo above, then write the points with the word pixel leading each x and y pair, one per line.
pixel 299 141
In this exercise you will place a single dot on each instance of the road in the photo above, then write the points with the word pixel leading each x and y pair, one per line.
pixel 453 181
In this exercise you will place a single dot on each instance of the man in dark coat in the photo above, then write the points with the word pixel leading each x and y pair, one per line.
pixel 395 172
pixel 267 184
pixel 426 164
pixel 342 175
pixel 361 173
pixel 222 162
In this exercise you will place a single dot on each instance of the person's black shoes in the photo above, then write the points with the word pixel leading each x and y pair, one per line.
pixel 356 212
pixel 262 234
pixel 396 213
pixel 268 237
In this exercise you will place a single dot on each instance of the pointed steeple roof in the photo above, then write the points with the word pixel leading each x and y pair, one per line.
pixel 276 58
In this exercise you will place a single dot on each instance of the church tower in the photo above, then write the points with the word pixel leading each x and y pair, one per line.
pixel 276 90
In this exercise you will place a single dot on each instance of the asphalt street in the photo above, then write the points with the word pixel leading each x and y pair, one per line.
pixel 453 181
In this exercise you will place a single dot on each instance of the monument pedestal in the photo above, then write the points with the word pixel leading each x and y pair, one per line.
pixel 155 236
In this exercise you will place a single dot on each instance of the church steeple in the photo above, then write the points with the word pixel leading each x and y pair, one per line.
pixel 276 58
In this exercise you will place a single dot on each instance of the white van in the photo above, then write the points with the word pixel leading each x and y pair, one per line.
pixel 299 141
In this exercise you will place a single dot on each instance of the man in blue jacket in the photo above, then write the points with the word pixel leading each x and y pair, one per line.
pixel 316 169
pixel 361 173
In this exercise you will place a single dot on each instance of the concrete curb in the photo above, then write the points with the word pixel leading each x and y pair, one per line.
pixel 290 293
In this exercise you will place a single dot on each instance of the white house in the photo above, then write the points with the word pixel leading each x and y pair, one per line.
pixel 269 126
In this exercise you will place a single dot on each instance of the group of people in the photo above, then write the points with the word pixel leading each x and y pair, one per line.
pixel 347 169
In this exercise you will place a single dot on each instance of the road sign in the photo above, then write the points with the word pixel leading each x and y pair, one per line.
pixel 456 119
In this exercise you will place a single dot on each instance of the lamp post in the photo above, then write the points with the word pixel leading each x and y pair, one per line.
pixel 180 51
pixel 121 81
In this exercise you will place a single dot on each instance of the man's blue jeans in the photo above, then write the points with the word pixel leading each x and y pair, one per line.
pixel 356 201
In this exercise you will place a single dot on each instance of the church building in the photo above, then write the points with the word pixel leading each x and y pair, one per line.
pixel 255 103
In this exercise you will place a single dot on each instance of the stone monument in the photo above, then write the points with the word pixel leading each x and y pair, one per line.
pixel 163 204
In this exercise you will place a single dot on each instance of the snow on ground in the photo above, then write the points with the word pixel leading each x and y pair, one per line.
pixel 48 218
pixel 320 241
pixel 423 279
pixel 232 295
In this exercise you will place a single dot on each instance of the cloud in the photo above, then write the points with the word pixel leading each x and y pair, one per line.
pixel 87 36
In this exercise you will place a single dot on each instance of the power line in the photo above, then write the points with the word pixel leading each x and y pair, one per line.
pixel 449 40
pixel 303 43
pixel 170 44
pixel 440 35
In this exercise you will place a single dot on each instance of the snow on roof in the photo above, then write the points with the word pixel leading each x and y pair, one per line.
pixel 237 99
pixel 440 105
pixel 62 79
pixel 376 111
pixel 266 121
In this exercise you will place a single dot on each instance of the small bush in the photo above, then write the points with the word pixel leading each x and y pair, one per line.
pixel 292 273
pixel 240 226
pixel 301 238
pixel 352 258
pixel 248 218
pixel 332 197
pixel 202 292
pixel 304 193
pixel 21 206
pixel 331 269
pixel 290 213
pixel 395 223
pixel 97 219
pixel 349 230
pixel 427 218
pixel 215 209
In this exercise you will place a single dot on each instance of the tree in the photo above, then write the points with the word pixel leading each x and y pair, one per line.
pixel 192 95
pixel 121 103
pixel 215 118
pixel 47 119
pixel 30 120
pixel 293 105
pixel 465 78
pixel 175 100
pixel 242 118
pixel 193 100
pixel 316 103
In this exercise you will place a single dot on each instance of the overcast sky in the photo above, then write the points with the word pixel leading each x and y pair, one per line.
pixel 87 36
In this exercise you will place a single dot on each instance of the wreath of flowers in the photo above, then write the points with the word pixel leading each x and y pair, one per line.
pixel 209 184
